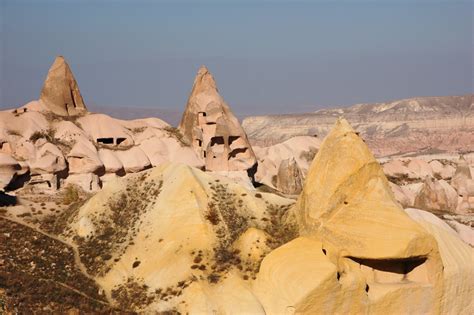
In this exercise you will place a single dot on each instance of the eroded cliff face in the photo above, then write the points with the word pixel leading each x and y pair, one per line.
pixel 213 130
pixel 176 238
pixel 419 125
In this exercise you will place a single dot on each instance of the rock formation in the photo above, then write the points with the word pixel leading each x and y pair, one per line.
pixel 300 149
pixel 464 184
pixel 289 179
pixel 60 93
pixel 437 195
pixel 362 252
pixel 213 130
pixel 183 235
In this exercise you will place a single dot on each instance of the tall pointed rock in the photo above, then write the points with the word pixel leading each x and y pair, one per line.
pixel 60 93
pixel 213 130
pixel 348 202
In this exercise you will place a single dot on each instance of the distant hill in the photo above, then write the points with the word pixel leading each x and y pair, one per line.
pixel 416 124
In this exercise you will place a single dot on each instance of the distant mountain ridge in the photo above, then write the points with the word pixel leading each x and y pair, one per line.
pixel 444 123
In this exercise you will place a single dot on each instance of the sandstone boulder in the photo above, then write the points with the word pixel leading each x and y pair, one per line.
pixel 133 160
pixel 436 195
pixel 89 182
pixel 48 160
pixel 160 149
pixel 112 163
pixel 301 149
pixel 401 195
pixel 289 178
pixel 420 168
pixel 213 130
pixel 345 193
pixel 441 171
pixel 377 259
pixel 84 158
pixel 60 93
pixel 455 295
pixel 106 131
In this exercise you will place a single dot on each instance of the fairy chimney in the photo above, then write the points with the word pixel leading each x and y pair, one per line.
pixel 213 130
pixel 60 93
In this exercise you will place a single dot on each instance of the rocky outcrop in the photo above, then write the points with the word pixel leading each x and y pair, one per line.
pixel 436 195
pixel 84 158
pixel 289 178
pixel 345 181
pixel 60 93
pixel 174 229
pixel 464 184
pixel 213 131
pixel 300 149
pixel 48 160
pixel 367 243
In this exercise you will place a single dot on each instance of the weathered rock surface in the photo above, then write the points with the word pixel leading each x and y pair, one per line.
pixel 436 195
pixel 348 206
pixel 213 130
pixel 301 149
pixel 289 178
pixel 184 234
pixel 345 179
pixel 48 160
pixel 60 93
pixel 84 158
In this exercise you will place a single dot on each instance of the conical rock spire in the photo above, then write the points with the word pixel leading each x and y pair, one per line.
pixel 60 93
pixel 348 202
pixel 212 129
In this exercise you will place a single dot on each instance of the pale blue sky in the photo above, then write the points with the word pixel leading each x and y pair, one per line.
pixel 266 56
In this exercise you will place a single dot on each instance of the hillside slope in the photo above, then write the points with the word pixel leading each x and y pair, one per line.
pixel 417 124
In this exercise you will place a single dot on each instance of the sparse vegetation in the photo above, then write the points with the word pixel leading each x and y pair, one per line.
pixel 279 225
pixel 50 136
pixel 174 132
pixel 13 133
pixel 116 231
pixel 138 129
pixel 39 275
pixel 71 194
pixel 44 134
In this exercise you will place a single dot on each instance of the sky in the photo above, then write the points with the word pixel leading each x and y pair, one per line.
pixel 268 57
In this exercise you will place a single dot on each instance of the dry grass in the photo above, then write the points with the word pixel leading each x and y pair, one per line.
pixel 175 133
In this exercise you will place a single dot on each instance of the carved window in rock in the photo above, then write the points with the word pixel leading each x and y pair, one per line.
pixel 201 119
pixel 237 153
pixel 120 140
pixel 217 141
pixel 404 270
pixel 217 146
pixel 105 140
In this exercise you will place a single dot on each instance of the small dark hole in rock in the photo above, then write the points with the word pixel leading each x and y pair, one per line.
pixel 324 251
pixel 366 288
pixel 136 264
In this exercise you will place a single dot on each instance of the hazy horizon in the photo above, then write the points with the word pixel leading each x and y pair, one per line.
pixel 268 57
